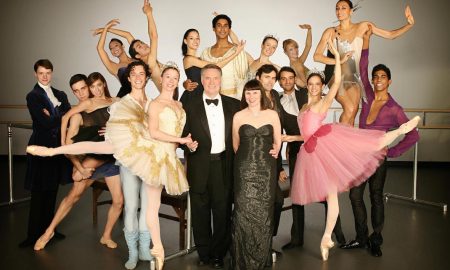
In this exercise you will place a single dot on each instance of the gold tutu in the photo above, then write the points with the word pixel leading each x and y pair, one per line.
pixel 155 162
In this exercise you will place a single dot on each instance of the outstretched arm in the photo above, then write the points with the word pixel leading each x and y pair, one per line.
pixel 110 65
pixel 197 62
pixel 364 66
pixel 121 33
pixel 328 99
pixel 391 34
pixel 308 43
pixel 153 35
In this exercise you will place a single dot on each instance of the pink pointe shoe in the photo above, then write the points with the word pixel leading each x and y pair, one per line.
pixel 37 150
pixel 410 125
pixel 325 248
pixel 42 242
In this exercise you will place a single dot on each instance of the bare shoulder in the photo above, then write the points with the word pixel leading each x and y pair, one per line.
pixel 76 119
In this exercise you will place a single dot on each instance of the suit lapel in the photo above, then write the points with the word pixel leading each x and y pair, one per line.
pixel 227 114
pixel 44 95
pixel 202 115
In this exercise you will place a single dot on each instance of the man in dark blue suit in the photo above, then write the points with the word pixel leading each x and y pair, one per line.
pixel 46 106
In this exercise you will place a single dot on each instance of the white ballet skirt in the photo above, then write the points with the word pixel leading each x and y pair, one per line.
pixel 155 162
pixel 234 74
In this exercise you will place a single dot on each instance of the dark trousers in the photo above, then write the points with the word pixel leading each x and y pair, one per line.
pixel 216 201
pixel 278 207
pixel 298 211
pixel 42 210
pixel 376 186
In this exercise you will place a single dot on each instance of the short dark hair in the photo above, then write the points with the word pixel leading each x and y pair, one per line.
pixel 76 78
pixel 131 50
pixel 116 40
pixel 211 66
pixel 221 16
pixel 183 45
pixel 133 64
pixel 95 76
pixel 383 68
pixel 267 68
pixel 350 4
pixel 255 85
pixel 45 63
pixel 286 69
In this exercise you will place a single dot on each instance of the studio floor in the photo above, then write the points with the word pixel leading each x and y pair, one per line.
pixel 415 236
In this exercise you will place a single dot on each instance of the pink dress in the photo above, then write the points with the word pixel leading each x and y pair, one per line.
pixel 334 157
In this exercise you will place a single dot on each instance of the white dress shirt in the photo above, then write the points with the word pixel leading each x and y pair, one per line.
pixel 289 103
pixel 216 123
pixel 50 95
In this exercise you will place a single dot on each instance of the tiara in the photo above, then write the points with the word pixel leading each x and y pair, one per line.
pixel 315 71
pixel 271 36
pixel 170 64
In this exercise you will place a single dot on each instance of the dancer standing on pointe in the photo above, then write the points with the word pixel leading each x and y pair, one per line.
pixel 354 154
pixel 348 37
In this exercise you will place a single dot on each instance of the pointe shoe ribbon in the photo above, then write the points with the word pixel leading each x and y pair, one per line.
pixel 41 243
pixel 108 242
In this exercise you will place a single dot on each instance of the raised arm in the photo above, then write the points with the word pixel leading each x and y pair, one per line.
pixel 110 65
pixel 308 43
pixel 321 47
pixel 328 99
pixel 121 33
pixel 364 66
pixel 153 35
pixel 391 34
pixel 65 119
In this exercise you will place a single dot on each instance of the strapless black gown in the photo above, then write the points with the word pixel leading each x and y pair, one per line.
pixel 254 195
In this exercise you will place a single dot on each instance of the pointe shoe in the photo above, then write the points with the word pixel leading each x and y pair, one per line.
pixel 324 249
pixel 410 125
pixel 158 254
pixel 37 150
pixel 108 242
pixel 41 242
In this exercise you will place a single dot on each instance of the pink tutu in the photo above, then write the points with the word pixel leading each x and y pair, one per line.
pixel 334 158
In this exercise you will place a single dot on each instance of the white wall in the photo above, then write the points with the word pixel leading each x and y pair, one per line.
pixel 60 31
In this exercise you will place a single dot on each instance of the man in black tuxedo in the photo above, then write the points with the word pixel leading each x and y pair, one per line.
pixel 210 166
pixel 46 106
pixel 292 101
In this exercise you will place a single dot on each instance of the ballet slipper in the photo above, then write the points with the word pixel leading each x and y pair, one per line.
pixel 108 242
pixel 37 150
pixel 41 242
pixel 325 247
pixel 410 125
pixel 158 254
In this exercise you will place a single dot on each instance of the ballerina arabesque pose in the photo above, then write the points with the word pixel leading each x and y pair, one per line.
pixel 334 157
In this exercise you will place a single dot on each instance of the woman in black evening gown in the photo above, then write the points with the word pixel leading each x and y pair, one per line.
pixel 256 141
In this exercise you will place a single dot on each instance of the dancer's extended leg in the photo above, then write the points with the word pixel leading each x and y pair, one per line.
pixel 390 136
pixel 72 149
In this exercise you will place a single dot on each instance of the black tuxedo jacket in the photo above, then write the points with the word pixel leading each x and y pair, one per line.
pixel 290 123
pixel 45 173
pixel 197 126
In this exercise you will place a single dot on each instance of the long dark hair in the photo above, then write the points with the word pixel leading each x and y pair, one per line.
pixel 251 86
pixel 183 45
pixel 93 77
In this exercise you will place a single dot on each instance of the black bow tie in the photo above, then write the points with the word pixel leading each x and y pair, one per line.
pixel 213 101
